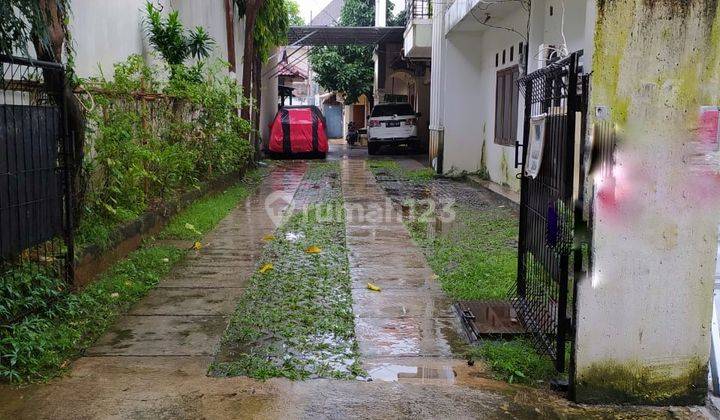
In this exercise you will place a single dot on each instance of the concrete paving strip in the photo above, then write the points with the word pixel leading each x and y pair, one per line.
pixel 406 332
pixel 187 313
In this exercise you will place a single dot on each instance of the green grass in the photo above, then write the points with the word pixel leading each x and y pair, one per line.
pixel 296 320
pixel 394 169
pixel 42 345
pixel 320 170
pixel 514 361
pixel 203 215
pixel 477 257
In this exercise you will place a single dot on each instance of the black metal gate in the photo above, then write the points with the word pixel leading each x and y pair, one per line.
pixel 35 175
pixel 549 203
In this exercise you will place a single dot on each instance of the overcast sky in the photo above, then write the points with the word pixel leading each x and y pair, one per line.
pixel 315 6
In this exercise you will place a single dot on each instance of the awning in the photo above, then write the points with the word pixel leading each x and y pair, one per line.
pixel 344 35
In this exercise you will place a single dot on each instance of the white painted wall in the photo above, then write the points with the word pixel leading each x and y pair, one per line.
pixel 106 32
pixel 210 14
pixel 468 102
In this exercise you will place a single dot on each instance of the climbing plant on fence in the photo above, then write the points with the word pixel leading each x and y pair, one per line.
pixel 150 140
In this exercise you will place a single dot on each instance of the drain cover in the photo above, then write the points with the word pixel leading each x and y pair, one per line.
pixel 485 319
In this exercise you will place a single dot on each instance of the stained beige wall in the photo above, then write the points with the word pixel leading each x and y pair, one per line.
pixel 644 313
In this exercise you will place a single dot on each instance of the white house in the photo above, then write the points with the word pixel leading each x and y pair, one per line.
pixel 479 51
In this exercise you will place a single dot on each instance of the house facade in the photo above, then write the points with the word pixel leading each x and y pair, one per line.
pixel 479 50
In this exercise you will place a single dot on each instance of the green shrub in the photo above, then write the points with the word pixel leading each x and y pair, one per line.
pixel 43 343
pixel 151 140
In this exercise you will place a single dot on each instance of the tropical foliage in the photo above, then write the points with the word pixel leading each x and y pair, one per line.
pixel 349 70
pixel 152 139
pixel 293 12
pixel 23 22
pixel 169 37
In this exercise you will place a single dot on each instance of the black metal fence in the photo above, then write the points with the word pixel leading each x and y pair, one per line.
pixel 35 152
pixel 418 9
pixel 558 95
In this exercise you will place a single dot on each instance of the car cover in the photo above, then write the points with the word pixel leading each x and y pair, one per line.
pixel 298 129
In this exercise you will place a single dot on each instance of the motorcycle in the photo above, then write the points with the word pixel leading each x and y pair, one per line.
pixel 353 135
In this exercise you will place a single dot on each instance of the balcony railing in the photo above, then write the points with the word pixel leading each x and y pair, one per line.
pixel 418 9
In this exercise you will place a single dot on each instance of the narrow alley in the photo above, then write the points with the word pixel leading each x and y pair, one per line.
pixel 153 363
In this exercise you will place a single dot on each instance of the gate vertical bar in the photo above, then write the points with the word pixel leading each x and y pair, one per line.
pixel 568 167
pixel 522 234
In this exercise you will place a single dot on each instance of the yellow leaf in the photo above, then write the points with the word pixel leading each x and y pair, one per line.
pixel 197 245
pixel 373 287
pixel 192 229
pixel 268 238
pixel 313 250
pixel 266 267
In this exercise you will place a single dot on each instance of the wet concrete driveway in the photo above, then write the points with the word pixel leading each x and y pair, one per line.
pixel 406 332
pixel 153 362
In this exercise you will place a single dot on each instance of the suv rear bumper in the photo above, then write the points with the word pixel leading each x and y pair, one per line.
pixel 393 140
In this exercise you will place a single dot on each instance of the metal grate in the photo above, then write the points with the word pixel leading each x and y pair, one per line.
pixel 418 9
pixel 547 206
pixel 35 214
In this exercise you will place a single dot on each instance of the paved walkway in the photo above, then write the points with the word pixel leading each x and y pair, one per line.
pixel 407 330
pixel 187 313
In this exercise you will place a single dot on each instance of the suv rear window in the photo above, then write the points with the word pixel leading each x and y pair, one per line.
pixel 392 109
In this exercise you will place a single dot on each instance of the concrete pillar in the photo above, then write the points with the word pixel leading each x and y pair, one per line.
pixel 643 315
pixel 268 96
pixel 381 13
pixel 437 85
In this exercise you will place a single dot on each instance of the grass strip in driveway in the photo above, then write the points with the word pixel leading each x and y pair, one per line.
pixel 476 258
pixel 204 214
pixel 295 319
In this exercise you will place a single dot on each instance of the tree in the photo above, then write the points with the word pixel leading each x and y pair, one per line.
pixel 170 38
pixel 293 12
pixel 266 25
pixel 349 69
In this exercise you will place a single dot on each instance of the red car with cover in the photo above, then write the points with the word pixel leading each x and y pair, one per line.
pixel 298 130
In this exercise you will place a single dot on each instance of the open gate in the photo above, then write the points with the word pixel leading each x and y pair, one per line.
pixel 551 202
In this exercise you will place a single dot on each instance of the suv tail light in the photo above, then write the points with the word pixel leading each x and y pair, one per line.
pixel 411 121
pixel 374 123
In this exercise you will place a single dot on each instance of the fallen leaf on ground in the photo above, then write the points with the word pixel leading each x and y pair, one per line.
pixel 192 228
pixel 197 246
pixel 435 277
pixel 115 295
pixel 268 238
pixel 373 287
pixel 313 250
pixel 266 267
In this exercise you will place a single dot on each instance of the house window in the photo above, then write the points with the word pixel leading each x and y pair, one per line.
pixel 506 106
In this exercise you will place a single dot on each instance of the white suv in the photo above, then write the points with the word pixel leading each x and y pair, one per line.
pixel 391 123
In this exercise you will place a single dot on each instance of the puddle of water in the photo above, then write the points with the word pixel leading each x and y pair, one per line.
pixel 390 372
